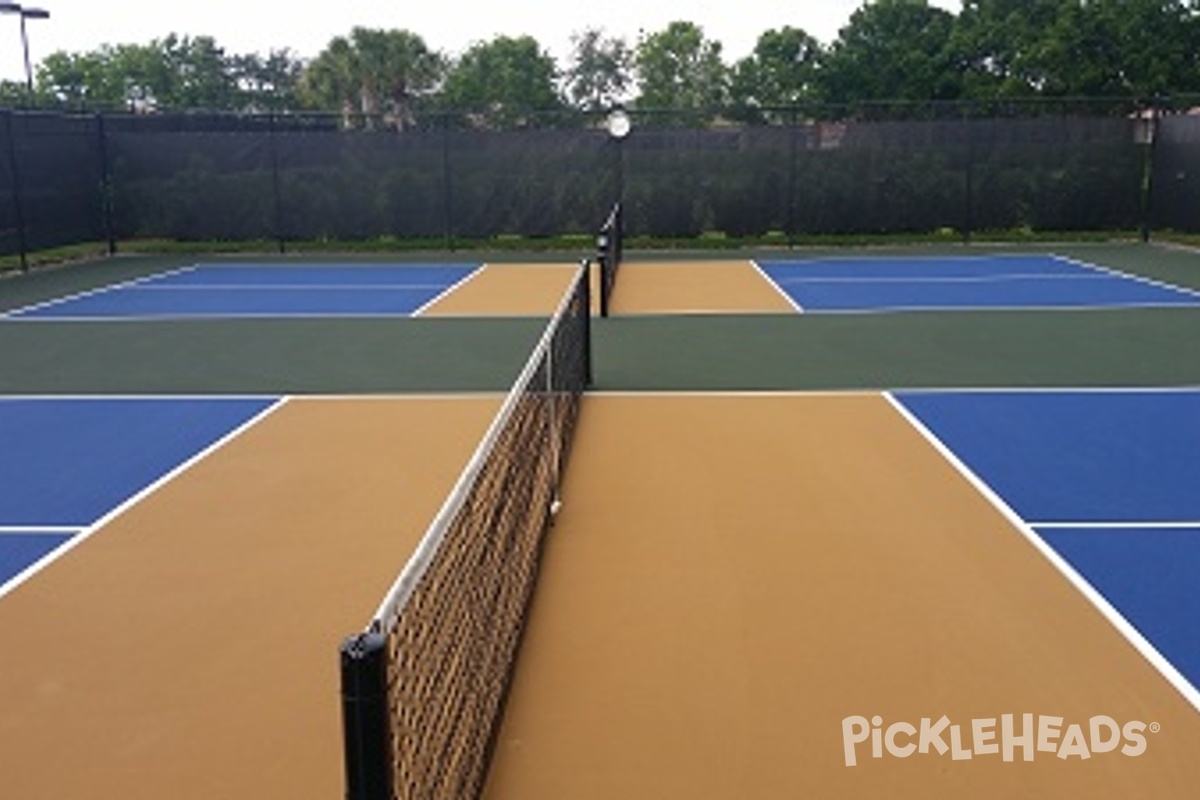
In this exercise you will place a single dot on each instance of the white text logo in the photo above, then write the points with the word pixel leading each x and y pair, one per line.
pixel 1010 737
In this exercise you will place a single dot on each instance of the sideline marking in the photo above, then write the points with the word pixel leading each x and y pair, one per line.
pixel 1106 609
pixel 87 532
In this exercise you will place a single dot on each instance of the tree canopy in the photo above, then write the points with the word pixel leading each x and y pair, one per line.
pixel 887 50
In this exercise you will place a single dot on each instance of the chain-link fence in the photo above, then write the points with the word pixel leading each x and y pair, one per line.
pixel 442 179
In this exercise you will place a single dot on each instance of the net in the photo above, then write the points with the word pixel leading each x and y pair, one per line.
pixel 423 686
pixel 609 246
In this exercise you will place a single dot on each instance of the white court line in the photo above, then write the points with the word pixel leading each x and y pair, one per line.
pixel 1128 276
pixel 1067 389
pixel 886 256
pixel 17 312
pixel 1116 526
pixel 87 532
pixel 18 530
pixel 777 286
pixel 1106 609
pixel 4 398
pixel 999 278
pixel 977 309
pixel 217 315
pixel 449 289
pixel 288 287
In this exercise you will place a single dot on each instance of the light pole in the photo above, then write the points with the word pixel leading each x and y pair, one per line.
pixel 25 13
pixel 9 8
pixel 30 13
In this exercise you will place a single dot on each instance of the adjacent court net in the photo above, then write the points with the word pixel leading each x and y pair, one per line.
pixel 424 685
pixel 609 245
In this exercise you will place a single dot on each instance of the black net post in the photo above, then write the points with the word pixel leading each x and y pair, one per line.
pixel 585 302
pixel 603 262
pixel 365 717
pixel 609 252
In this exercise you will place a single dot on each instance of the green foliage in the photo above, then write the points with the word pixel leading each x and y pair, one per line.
pixel 375 73
pixel 892 50
pixel 782 71
pixel 502 82
pixel 1137 48
pixel 175 72
pixel 598 74
pixel 679 68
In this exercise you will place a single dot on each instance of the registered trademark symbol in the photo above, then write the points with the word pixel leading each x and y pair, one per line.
pixel 1155 727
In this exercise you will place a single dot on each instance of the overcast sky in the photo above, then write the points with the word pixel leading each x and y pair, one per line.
pixel 306 26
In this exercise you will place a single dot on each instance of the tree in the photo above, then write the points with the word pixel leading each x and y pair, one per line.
pixel 997 46
pixel 892 50
pixel 374 72
pixel 173 72
pixel 83 79
pixel 678 68
pixel 269 83
pixel 1122 47
pixel 131 76
pixel 598 75
pixel 503 82
pixel 194 73
pixel 782 71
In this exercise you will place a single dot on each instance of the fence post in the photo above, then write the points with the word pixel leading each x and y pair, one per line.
pixel 1147 132
pixel 447 205
pixel 968 121
pixel 277 193
pixel 793 122
pixel 106 201
pixel 18 208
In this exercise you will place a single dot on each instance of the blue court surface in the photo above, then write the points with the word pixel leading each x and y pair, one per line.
pixel 1108 479
pixel 65 463
pixel 255 290
pixel 975 282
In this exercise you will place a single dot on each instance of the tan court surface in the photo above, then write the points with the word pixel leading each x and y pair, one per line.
pixel 507 289
pixel 724 287
pixel 189 649
pixel 731 577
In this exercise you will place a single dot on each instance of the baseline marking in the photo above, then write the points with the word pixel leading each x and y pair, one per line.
pixel 777 285
pixel 1127 275
pixel 17 312
pixel 419 310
